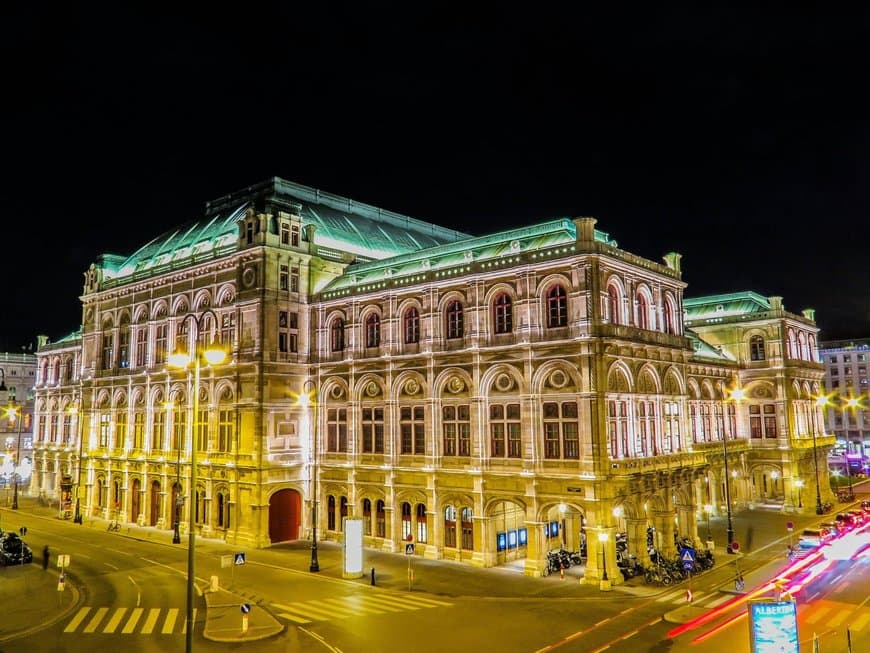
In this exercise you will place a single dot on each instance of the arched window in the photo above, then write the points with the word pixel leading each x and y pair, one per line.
pixel 614 305
pixel 670 316
pixel 503 314
pixel 454 320
pixel 803 352
pixel 406 521
pixel 756 348
pixel 467 530
pixel 557 307
pixel 422 523
pixel 381 519
pixel 367 516
pixel 411 326
pixel 336 331
pixel 373 330
pixel 450 527
pixel 343 513
pixel 642 311
pixel 330 513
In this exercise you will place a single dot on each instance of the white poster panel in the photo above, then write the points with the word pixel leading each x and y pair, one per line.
pixel 353 548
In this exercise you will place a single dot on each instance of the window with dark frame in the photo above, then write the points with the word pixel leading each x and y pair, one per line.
pixel 454 320
pixel 373 330
pixel 557 307
pixel 503 314
pixel 411 326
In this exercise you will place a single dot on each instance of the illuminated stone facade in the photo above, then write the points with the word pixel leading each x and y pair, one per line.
pixel 488 397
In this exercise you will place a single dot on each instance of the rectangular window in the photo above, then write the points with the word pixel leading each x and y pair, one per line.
pixel 124 348
pixel 121 429
pixel 160 344
pixel 282 342
pixel 139 430
pixel 456 424
pixel 336 430
pixel 179 429
pixel 226 430
pixel 158 439
pixel 228 330
pixel 294 235
pixel 755 424
pixel 285 233
pixel 505 431
pixel 769 421
pixel 294 279
pixel 141 347
pixel 52 424
pixel 294 343
pixel 202 431
pixel 412 429
pixel 284 278
pixel 66 436
pixel 561 430
pixel 373 430
pixel 108 352
pixel 105 424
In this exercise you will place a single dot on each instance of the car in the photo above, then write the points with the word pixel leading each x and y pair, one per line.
pixel 865 506
pixel 810 538
pixel 845 520
pixel 833 527
pixel 13 549
pixel 858 517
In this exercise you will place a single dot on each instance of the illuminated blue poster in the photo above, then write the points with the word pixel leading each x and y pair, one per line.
pixel 524 536
pixel 501 542
pixel 512 539
pixel 773 627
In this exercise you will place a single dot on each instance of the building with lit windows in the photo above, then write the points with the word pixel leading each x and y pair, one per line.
pixel 848 386
pixel 17 376
pixel 489 397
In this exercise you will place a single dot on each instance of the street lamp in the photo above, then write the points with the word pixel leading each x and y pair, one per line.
pixel 602 544
pixel 179 500
pixel 708 508
pixel 799 484
pixel 309 398
pixel 212 356
pixel 15 413
pixel 821 402
pixel 737 395
pixel 74 410
pixel 851 402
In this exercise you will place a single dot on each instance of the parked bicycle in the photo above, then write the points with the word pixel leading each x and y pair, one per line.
pixel 114 525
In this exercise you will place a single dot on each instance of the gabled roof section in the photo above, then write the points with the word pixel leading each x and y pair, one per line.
pixel 342 224
pixel 703 349
pixel 544 239
pixel 724 306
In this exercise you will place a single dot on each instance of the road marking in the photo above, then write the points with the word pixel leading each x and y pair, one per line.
pixel 304 610
pixel 838 618
pixel 860 622
pixel 385 603
pixel 818 614
pixel 111 566
pixel 337 611
pixel 95 620
pixel 426 601
pixel 716 602
pixel 670 596
pixel 72 625
pixel 132 621
pixel 169 624
pixel 192 619
pixel 148 626
pixel 343 602
pixel 293 618
pixel 115 620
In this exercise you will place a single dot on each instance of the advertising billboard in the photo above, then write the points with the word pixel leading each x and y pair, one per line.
pixel 353 548
pixel 773 627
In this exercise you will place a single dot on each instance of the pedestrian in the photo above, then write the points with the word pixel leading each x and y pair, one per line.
pixel 45 555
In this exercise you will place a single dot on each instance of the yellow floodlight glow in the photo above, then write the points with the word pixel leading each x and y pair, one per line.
pixel 179 359
pixel 214 356
pixel 822 401
pixel 737 394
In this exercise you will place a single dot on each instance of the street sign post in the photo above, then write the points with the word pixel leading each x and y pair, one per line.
pixel 246 609
pixel 687 556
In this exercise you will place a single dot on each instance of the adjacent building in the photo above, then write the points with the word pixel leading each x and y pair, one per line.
pixel 17 376
pixel 487 397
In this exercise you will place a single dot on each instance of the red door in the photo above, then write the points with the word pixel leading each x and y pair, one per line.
pixel 285 515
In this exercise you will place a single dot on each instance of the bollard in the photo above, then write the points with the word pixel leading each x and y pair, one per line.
pixel 373 575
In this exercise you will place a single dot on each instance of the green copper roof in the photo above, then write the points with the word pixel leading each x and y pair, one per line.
pixel 724 306
pixel 545 239
pixel 341 225
pixel 705 350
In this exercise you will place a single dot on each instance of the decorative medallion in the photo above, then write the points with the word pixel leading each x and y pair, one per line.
pixel 412 387
pixel 249 277
pixel 455 385
pixel 336 392
pixel 558 379
pixel 372 389
pixel 504 383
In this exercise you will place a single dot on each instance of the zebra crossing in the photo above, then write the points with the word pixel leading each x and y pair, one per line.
pixel 128 621
pixel 355 605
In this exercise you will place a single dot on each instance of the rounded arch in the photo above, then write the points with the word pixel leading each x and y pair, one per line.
pixel 619 377
pixel 648 380
pixel 119 398
pixel 137 396
pixel 124 317
pixel 156 397
pixel 644 307
pixel 180 305
pixel 334 389
pixel 224 391
pixel 707 391
pixel 499 288
pixel 141 315
pixel 177 393
pixel 409 385
pixel 102 400
pixel 669 313
pixel 614 290
pixel 107 322
pixel 202 300
pixel 556 377
pixel 450 297
pixel 452 382
pixel 693 389
pixel 369 387
pixel 159 310
pixel 226 294
pixel 502 378
pixel 285 514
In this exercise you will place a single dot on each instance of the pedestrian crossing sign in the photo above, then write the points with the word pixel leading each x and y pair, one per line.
pixel 239 559
pixel 688 555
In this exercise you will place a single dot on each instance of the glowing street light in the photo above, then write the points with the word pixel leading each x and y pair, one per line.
pixel 737 395
pixel 309 398
pixel 13 413
pixel 821 402
pixel 799 484
pixel 212 356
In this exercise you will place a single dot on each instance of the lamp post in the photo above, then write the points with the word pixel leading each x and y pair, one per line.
pixel 602 544
pixel 309 398
pixel 708 508
pixel 183 360
pixel 737 396
pixel 821 402
pixel 799 484
pixel 15 413
pixel 76 410
pixel 179 500
pixel 851 402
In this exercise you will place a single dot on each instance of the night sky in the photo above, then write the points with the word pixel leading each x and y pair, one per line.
pixel 739 139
